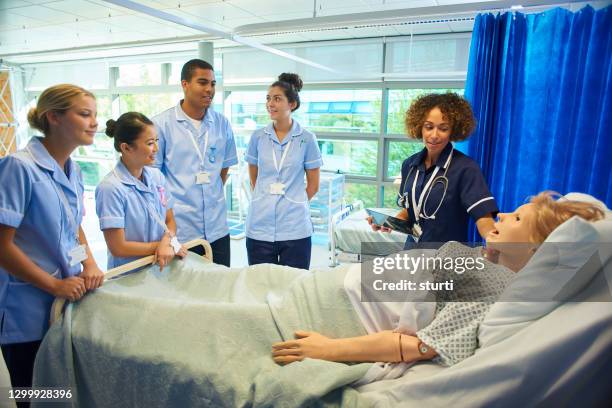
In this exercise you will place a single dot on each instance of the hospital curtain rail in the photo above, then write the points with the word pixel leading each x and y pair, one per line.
pixel 541 89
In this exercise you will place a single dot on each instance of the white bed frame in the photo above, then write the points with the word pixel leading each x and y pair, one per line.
pixel 57 308
pixel 336 255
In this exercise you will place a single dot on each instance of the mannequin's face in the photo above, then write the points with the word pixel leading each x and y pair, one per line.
pixel 512 236
pixel 514 227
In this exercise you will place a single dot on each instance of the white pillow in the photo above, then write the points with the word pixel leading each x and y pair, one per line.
pixel 589 199
pixel 543 283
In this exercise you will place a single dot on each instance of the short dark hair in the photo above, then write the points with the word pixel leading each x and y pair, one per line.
pixel 127 128
pixel 191 65
pixel 291 84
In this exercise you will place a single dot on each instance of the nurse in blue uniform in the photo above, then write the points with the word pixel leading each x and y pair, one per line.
pixel 132 202
pixel 44 250
pixel 279 228
pixel 441 187
pixel 196 149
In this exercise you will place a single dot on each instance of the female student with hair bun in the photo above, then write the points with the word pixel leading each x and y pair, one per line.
pixel 44 250
pixel 132 202
pixel 279 229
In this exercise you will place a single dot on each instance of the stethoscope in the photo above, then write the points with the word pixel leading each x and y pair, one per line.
pixel 420 206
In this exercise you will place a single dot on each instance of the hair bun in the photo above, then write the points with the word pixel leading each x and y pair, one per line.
pixel 33 119
pixel 111 125
pixel 293 79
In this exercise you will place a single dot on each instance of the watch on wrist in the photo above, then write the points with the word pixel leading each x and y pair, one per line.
pixel 423 348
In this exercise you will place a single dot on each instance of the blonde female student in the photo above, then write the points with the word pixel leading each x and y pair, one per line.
pixel 44 250
pixel 132 202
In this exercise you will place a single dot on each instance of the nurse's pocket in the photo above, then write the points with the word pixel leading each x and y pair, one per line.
pixel 27 310
pixel 260 211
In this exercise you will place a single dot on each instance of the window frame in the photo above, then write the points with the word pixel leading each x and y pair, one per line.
pixel 381 180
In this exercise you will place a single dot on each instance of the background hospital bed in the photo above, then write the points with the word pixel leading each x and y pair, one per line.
pixel 349 229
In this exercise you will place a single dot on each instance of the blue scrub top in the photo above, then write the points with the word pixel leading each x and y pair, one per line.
pixel 199 209
pixel 467 195
pixel 120 203
pixel 30 203
pixel 281 217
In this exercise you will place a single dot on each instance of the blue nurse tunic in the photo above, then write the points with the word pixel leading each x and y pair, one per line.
pixel 467 195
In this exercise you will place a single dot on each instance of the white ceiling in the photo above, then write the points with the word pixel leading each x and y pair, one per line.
pixel 35 26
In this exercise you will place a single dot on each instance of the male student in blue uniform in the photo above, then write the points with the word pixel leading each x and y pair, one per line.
pixel 196 149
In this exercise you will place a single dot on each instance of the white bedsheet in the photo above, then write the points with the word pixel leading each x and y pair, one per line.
pixel 354 230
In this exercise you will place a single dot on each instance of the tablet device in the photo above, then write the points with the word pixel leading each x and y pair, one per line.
pixel 389 221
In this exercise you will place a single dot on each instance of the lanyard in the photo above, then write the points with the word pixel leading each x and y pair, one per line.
pixel 417 207
pixel 156 215
pixel 64 200
pixel 197 148
pixel 276 164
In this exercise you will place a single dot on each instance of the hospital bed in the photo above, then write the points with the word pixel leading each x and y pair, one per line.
pixel 194 334
pixel 349 230
pixel 59 304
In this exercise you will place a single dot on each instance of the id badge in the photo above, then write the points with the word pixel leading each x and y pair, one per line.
pixel 277 188
pixel 175 244
pixel 77 254
pixel 203 177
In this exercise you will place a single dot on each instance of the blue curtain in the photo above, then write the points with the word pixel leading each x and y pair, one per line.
pixel 541 88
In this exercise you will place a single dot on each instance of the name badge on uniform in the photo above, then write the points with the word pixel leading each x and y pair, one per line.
pixel 277 189
pixel 77 254
pixel 175 244
pixel 203 177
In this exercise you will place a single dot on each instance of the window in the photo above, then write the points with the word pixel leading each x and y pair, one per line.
pixel 435 57
pixel 363 192
pixel 398 152
pixel 246 111
pixel 87 75
pixel 390 196
pixel 355 111
pixel 104 107
pixel 139 74
pixel 99 158
pixel 354 157
pixel 175 72
pixel 148 104
pixel 342 108
pixel 351 60
pixel 347 111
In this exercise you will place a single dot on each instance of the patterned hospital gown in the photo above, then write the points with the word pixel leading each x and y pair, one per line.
pixel 453 333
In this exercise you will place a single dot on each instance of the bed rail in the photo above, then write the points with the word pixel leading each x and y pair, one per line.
pixel 336 219
pixel 58 304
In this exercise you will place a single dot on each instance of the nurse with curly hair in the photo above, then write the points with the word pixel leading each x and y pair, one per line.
pixel 441 187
